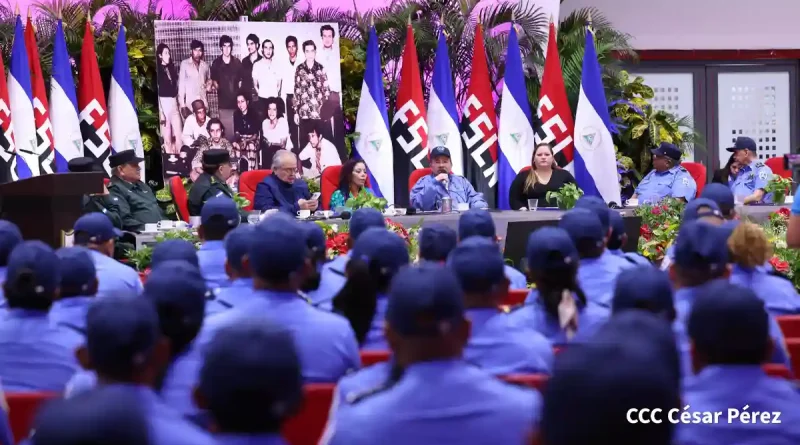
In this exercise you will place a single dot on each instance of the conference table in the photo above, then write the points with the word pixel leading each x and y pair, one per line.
pixel 513 227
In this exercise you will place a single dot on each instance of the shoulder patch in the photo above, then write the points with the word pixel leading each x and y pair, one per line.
pixel 763 174
pixel 685 181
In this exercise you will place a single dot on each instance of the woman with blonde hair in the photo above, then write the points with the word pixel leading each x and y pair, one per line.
pixel 534 183
pixel 750 252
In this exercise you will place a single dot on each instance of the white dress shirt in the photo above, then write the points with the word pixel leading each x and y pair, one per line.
pixel 266 78
pixel 327 156
pixel 331 61
pixel 192 130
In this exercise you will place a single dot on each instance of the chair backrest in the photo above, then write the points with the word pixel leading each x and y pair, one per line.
pixel 515 297
pixel 369 358
pixel 328 183
pixel 776 165
pixel 536 381
pixel 793 347
pixel 698 172
pixel 790 325
pixel 307 426
pixel 248 183
pixel 179 197
pixel 22 410
pixel 415 175
pixel 776 370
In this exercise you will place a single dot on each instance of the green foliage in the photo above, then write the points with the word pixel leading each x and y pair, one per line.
pixel 566 196
pixel 366 200
pixel 313 184
pixel 142 258
pixel 660 223
pixel 241 201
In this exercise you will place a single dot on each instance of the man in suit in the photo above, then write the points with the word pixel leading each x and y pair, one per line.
pixel 282 189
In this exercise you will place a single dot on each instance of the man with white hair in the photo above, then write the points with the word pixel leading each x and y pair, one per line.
pixel 283 190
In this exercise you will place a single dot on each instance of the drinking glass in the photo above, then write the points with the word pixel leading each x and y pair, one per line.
pixel 533 204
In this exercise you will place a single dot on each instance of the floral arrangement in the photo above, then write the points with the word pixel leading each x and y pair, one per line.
pixel 140 259
pixel 784 260
pixel 336 236
pixel 779 187
pixel 660 223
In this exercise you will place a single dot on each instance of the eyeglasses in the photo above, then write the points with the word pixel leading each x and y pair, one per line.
pixel 288 170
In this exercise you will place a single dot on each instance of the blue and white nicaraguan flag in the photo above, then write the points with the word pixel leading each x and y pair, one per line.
pixel 67 138
pixel 595 161
pixel 374 143
pixel 443 128
pixel 123 121
pixel 516 133
pixel 20 96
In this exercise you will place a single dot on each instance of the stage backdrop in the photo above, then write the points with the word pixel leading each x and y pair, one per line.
pixel 252 88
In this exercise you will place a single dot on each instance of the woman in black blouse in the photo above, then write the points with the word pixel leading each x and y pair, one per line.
pixel 543 176
pixel 170 117
pixel 725 174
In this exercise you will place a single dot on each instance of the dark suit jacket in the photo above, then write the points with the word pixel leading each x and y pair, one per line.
pixel 272 193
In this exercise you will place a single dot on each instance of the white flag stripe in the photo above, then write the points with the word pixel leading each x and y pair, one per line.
pixel 24 124
pixel 443 131
pixel 594 145
pixel 66 127
pixel 374 144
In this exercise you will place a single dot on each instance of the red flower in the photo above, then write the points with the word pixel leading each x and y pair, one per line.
pixel 784 212
pixel 655 210
pixel 664 207
pixel 645 232
pixel 779 265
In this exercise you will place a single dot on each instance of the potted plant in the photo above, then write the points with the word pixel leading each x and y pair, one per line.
pixel 364 199
pixel 566 196
pixel 778 186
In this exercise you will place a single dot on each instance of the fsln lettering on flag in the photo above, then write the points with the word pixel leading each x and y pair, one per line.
pixel 479 136
pixel 412 133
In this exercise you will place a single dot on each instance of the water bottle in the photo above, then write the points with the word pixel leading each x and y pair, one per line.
pixel 447 204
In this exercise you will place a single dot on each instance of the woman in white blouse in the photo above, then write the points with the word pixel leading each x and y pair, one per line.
pixel 275 130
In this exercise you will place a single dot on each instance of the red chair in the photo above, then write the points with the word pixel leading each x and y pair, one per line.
pixel 776 165
pixel 307 426
pixel 179 197
pixel 698 172
pixel 22 409
pixel 369 358
pixel 515 297
pixel 416 175
pixel 248 183
pixel 790 325
pixel 793 346
pixel 329 183
pixel 536 381
pixel 776 370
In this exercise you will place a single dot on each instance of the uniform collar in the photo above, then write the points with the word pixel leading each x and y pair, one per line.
pixel 129 185
pixel 213 245
pixel 434 368
pixel 249 439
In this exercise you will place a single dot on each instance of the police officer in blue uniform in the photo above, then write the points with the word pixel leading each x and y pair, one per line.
pixel 277 258
pixel 558 307
pixel 438 395
pixel 240 291
pixel 723 196
pixel 267 388
pixel 589 399
pixel 78 289
pixel 600 209
pixel 667 179
pixel 644 288
pixel 497 345
pixel 753 175
pixel 317 256
pixel 218 217
pixel 701 256
pixel 333 272
pixel 35 355
pixel 10 236
pixel 436 241
pixel 124 347
pixel 95 232
pixel 479 222
pixel 619 238
pixel 729 328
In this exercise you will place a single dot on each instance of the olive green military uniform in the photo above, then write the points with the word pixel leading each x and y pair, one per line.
pixel 137 204
pixel 204 188
pixel 104 204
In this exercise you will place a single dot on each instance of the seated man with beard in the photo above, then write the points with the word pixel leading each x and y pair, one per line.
pixel 428 192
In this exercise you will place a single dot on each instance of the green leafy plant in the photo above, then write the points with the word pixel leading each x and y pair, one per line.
pixel 241 201
pixel 660 223
pixel 366 200
pixel 778 186
pixel 142 258
pixel 313 184
pixel 566 196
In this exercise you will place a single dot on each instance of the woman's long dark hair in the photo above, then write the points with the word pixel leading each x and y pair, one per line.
pixel 358 299
pixel 551 284
pixel 346 174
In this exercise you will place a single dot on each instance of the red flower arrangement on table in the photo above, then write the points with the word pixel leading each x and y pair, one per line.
pixel 336 236
pixel 660 223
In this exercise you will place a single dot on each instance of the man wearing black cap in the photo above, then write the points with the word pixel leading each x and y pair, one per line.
pixel 667 179
pixel 97 202
pixel 213 181
pixel 753 175
pixel 428 192
pixel 137 202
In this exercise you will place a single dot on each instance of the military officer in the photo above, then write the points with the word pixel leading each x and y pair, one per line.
pixel 753 176
pixel 102 202
pixel 212 182
pixel 137 202
pixel 667 179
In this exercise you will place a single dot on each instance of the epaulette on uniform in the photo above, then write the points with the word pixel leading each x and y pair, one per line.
pixel 357 396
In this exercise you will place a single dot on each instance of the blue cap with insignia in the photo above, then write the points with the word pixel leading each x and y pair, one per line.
pixel 583 226
pixel 382 250
pixel 436 241
pixel 278 249
pixel 425 301
pixel 315 237
pixel 550 249
pixel 701 246
pixel 237 242
pixel 364 218
pixel 32 267
pixel 476 222
pixel 478 265
pixel 598 207
pixel 177 289
pixel 644 288
pixel 720 194
pixel 700 208
pixel 440 151
pixel 743 143
pixel 78 274
pixel 220 212
pixel 668 150
pixel 95 228
pixel 174 249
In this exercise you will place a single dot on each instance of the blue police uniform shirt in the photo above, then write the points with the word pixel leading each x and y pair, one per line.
pixel 534 316
pixel 167 426
pixel 751 178
pixel 239 292
pixel 684 298
pixel 325 342
pixel 6 435
pixel 427 193
pixel 778 294
pixel 115 278
pixel 211 257
pixel 332 280
pixel 499 346
pixel 517 279
pixel 249 439
pixel 71 313
pixel 675 182
pixel 375 340
pixel 36 355
pixel 632 257
pixel 597 277
pixel 722 388
pixel 3 302
pixel 442 402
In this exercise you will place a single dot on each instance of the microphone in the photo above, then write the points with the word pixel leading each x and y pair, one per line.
pixel 345 215
pixel 613 205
